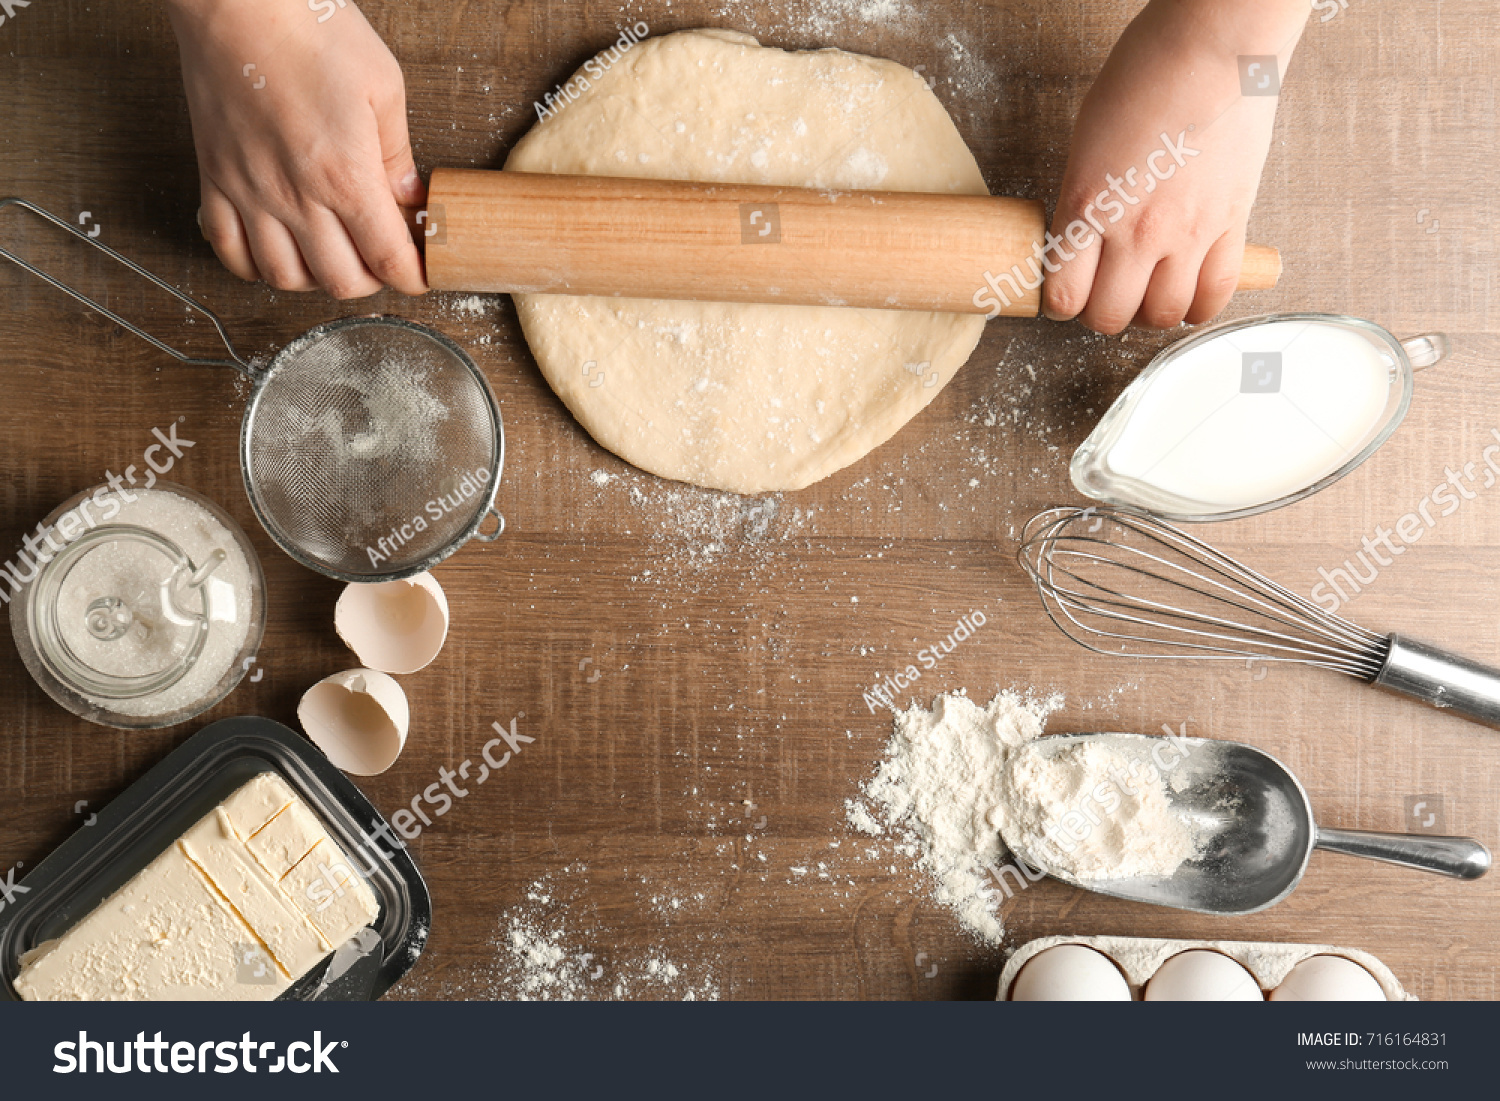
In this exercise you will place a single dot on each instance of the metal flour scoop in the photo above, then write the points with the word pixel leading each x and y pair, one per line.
pixel 371 447
pixel 1256 827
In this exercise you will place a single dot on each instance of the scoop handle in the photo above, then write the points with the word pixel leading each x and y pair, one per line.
pixel 539 233
pixel 1443 680
pixel 1459 857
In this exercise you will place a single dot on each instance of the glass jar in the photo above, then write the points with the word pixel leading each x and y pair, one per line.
pixel 141 608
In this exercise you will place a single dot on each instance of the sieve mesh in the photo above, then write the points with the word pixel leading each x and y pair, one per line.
pixel 372 448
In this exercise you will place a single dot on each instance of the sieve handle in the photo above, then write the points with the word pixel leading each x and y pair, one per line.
pixel 235 362
pixel 499 528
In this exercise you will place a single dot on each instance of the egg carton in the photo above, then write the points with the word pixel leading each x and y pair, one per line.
pixel 1139 957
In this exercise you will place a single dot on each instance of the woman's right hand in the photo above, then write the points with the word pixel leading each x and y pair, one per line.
pixel 299 119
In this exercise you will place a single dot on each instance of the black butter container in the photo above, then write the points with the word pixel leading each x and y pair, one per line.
pixel 144 820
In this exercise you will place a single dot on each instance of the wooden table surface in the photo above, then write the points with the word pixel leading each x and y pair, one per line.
pixel 692 675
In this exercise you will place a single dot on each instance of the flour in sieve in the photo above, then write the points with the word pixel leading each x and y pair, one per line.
pixel 394 416
pixel 402 412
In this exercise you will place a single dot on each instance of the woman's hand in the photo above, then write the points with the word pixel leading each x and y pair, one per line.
pixel 299 118
pixel 1159 238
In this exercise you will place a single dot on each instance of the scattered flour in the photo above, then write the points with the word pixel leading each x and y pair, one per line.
pixel 542 958
pixel 542 965
pixel 910 32
pixel 862 820
pixel 826 19
pixel 472 304
pixel 695 531
pixel 881 11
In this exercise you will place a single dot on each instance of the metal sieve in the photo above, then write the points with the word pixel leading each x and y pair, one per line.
pixel 371 447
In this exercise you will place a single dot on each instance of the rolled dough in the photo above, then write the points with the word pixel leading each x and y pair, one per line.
pixel 746 398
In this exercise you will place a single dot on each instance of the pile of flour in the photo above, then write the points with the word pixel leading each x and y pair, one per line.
pixel 1092 813
pixel 941 786
pixel 956 774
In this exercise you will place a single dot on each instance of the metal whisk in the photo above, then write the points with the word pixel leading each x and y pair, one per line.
pixel 1120 582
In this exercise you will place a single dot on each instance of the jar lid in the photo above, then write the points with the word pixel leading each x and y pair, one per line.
pixel 122 612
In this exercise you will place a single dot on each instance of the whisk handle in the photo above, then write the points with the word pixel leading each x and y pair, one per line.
pixel 1459 857
pixel 1444 680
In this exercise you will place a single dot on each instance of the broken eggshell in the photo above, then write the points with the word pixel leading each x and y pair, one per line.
pixel 394 626
pixel 359 718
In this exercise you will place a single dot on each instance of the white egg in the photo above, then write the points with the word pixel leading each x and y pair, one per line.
pixel 1328 979
pixel 359 718
pixel 1070 973
pixel 394 626
pixel 1201 975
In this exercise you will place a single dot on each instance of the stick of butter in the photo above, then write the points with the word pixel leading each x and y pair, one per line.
pixel 283 841
pixel 218 916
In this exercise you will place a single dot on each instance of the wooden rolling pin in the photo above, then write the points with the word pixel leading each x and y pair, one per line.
pixel 520 233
